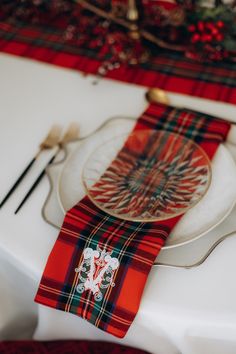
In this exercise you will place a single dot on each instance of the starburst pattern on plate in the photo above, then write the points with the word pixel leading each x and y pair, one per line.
pixel 155 175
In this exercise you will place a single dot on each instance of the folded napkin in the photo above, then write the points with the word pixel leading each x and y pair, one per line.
pixel 99 264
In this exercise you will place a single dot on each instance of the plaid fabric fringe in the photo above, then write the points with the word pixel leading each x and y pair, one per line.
pixel 169 71
pixel 134 245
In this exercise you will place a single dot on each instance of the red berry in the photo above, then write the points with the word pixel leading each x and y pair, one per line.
pixel 206 38
pixel 220 24
pixel 219 37
pixel 195 38
pixel 209 38
pixel 210 25
pixel 201 26
pixel 214 31
pixel 192 28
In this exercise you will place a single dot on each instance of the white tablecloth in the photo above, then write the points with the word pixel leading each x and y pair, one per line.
pixel 182 311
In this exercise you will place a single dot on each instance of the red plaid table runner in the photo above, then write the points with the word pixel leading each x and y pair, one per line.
pixel 92 244
pixel 169 71
pixel 65 347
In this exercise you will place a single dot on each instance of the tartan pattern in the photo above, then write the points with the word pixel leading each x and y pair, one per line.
pixel 144 175
pixel 65 347
pixel 136 245
pixel 169 71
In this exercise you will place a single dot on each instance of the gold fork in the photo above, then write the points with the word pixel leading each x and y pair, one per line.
pixel 49 142
pixel 72 133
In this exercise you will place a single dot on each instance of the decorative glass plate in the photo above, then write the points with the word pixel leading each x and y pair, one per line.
pixel 67 189
pixel 147 175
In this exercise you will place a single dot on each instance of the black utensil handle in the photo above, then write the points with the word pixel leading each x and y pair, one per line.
pixel 20 178
pixel 34 185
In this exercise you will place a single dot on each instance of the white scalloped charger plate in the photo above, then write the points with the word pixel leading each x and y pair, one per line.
pixel 214 207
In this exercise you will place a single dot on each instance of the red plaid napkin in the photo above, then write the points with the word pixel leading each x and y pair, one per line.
pixel 120 252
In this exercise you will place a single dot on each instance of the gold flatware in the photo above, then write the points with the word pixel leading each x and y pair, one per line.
pixel 157 95
pixel 52 139
pixel 49 142
pixel 72 133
